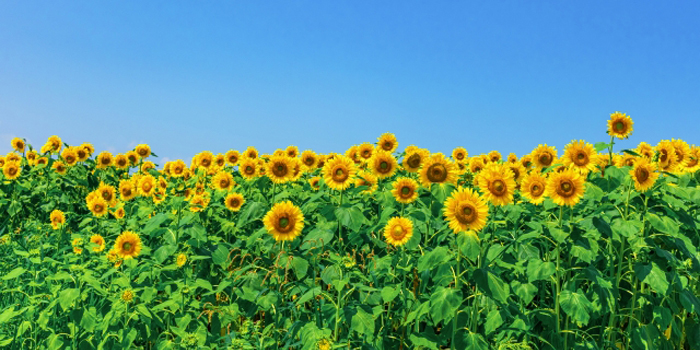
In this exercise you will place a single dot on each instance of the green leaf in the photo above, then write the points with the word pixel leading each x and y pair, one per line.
pixel 524 291
pixel 14 273
pixel 472 341
pixel 67 296
pixel 300 267
pixel 8 314
pixel 220 256
pixel 434 258
pixel 690 302
pixel 663 224
pixel 493 320
pixel 444 302
pixel 163 253
pixel 154 223
pixel 350 217
pixel 362 322
pixel 469 245
pixel 652 275
pixel 599 146
pixel 389 293
pixel 492 285
pixel 538 270
pixel 576 305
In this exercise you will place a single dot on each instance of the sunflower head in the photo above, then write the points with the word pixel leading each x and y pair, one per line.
pixel 89 150
pixel 60 167
pixel 465 210
pixel 495 156
pixel 146 185
pixel 667 159
pixel 620 125
pixel 58 218
pixel 292 151
pixel 315 183
pixel 143 150
pixel 533 187
pixel 693 159
pixel 644 173
pixel 414 159
pixel 99 243
pixel 181 260
pixel 279 169
pixel 248 168
pixel 18 144
pixel 121 162
pixel 383 164
pixel 476 164
pixel 97 205
pixel 497 182
pixel 543 156
pixel 645 150
pixel 119 213
pixel 387 142
pixel 177 168
pixel 232 157
pixel 405 190
pixel 309 159
pixel 223 181
pixel 338 172
pixel 565 187
pixel 437 170
pixel 366 178
pixel 366 151
pixel 127 296
pixel 398 231
pixel 284 221
pixel 581 156
pixel 512 158
pixel 127 190
pixel 108 193
pixel 459 155
pixel 104 160
pixel 128 245
pixel 234 201
pixel 11 170
pixel 251 153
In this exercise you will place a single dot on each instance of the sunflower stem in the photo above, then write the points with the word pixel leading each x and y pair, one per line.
pixel 457 287
pixel 610 148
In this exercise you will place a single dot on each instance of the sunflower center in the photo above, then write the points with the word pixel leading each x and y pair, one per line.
pixel 285 224
pixel 280 170
pixel 642 174
pixel 107 196
pixel 619 126
pixel 663 156
pixel 106 161
pixel 581 159
pixel 405 191
pixel 387 146
pixel 693 162
pixel 249 170
pixel 99 208
pixel 384 165
pixel 224 183
pixel 467 215
pixel 437 173
pixel 234 202
pixel 498 187
pixel 12 171
pixel 398 232
pixel 566 188
pixel 340 175
pixel 309 161
pixel 546 159
pixel 206 163
pixel 147 187
pixel 537 190
pixel 460 156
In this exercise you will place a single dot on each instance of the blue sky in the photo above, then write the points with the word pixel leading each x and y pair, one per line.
pixel 324 75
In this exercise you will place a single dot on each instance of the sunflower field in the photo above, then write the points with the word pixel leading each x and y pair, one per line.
pixel 371 248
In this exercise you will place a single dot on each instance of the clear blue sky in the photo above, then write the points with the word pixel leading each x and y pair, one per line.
pixel 324 75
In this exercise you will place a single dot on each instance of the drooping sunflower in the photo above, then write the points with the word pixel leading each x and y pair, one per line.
pixel 234 201
pixel 414 159
pixel 460 154
pixel 476 164
pixel 222 181
pixel 581 156
pixel 18 144
pixel 248 168
pixel 398 231
pixel 128 245
pixel 284 221
pixel 495 156
pixel 121 162
pixel 566 187
pixel 59 167
pixel 146 185
pixel 58 218
pixel 366 151
pixel 11 170
pixel 279 169
pixel 99 242
pixel 387 142
pixel 645 150
pixel 97 205
pixel 143 150
pixel 338 172
pixel 667 157
pixel 497 182
pixel 251 153
pixel 366 178
pixel 465 210
pixel 232 157
pixel 309 159
pixel 644 173
pixel 437 170
pixel 620 125
pixel 104 160
pixel 315 183
pixel 405 190
pixel 543 156
pixel 383 164
pixel 533 187
pixel 181 260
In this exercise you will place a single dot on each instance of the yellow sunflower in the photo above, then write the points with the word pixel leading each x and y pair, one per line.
pixel 147 166
pixel 70 156
pixel 366 151
pixel 437 170
pixel 42 161
pixel 284 221
pixel 181 260
pixel 315 183
pixel 127 296
pixel 177 168
pixel 97 205
pixel 204 159
pixel 383 164
pixel 543 156
pixel 498 183
pixel 76 243
pixel 127 190
pixel 219 160
pixel 297 169
pixel 234 201
pixel 338 172
pixel 581 156
pixel 18 144
pixel 31 157
pixel 133 158
pixel 414 159
pixel 693 159
pixel 644 174
pixel 119 213
pixel 476 164
pixel 533 187
pixel 620 125
pixel 121 162
pixel 387 142
pixel 309 159
pixel 251 153
pixel 459 155
pixel 199 202
pixel 279 169
pixel 128 245
pixel 59 167
pixel 143 150
pixel 526 161
pixel 645 150
pixel 512 158
pixel 682 150
pixel 518 171
pixel 57 219
pixel 108 193
pixel 566 187
pixel 104 160
pixel 11 170
pixel 495 156
pixel 222 181
pixel 405 190
pixel 53 144
pixel 87 150
pixel 232 157
pixel 366 178
pixel 465 210
pixel 146 185
pixel 99 242
pixel 398 231
pixel 292 151
pixel 667 157
pixel 248 168
pixel 624 160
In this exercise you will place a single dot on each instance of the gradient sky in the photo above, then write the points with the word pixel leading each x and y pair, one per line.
pixel 324 75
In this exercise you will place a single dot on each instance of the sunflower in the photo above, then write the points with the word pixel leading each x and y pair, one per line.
pixel 219 160
pixel 620 125
pixel 459 155
pixel 121 162
pixel 682 150
pixel 339 172
pixel 222 181
pixel 405 190
pixel 624 160
pixel 127 296
pixel 512 158
pixel 581 156
pixel 495 156
pixel 644 174
pixel 146 185
pixel 18 144
pixel 59 167
pixel 199 202
pixel 42 161
pixel 128 245
pixel 279 169
pixel 667 157
pixel 518 171
pixel 321 161
pixel 498 183
pixel 284 221
pixel 143 150
pixel 11 170
pixel 533 186
pixel 99 242
pixel 85 151
pixel 2 161
pixel 104 160
pixel 53 144
pixel 133 158
pixel 251 153
pixel 181 260
pixel 437 169
pixel 177 168
pixel 566 187
pixel 31 157
pixel 465 210
pixel 398 231
pixel 297 169
pixel 315 183
pixel 383 164
pixel 693 159
pixel 366 178
pixel 232 157
pixel 76 243
pixel 543 156
pixel 119 213
pixel 476 165
pixel 526 161
pixel 159 195
pixel 387 142
pixel 97 205
pixel 127 190
pixel 645 150
pixel 108 193
pixel 292 151
pixel 414 159
pixel 57 219
pixel 366 151
pixel 309 159
pixel 204 159
pixel 234 201
pixel 277 152
pixel 70 156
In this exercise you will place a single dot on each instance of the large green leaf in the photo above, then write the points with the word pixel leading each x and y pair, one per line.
pixel 492 285
pixel 14 273
pixel 434 258
pixel 444 302
pixel 538 270
pixel 576 305
pixel 652 275
pixel 362 322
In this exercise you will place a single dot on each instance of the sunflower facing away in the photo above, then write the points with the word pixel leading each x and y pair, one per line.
pixel 437 170
pixel 644 174
pixel 533 187
pixel 128 245
pixel 234 201
pixel 387 142
pixel 398 231
pixel 383 164
pixel 57 219
pixel 620 125
pixel 338 173
pixel 405 190
pixel 543 156
pixel 465 210
pixel 366 178
pixel 497 182
pixel 566 187
pixel 284 221
pixel 581 156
